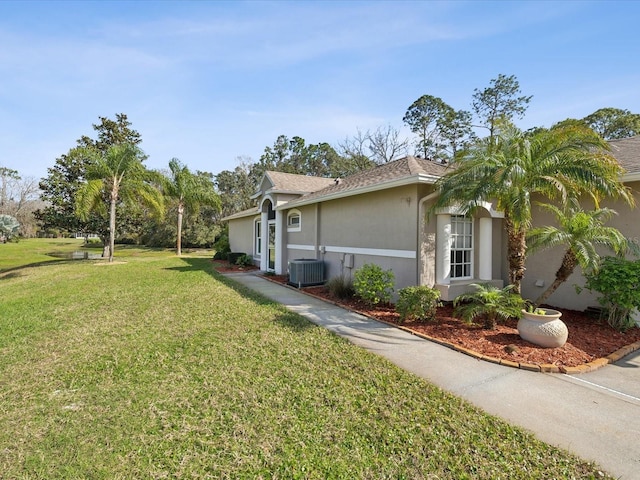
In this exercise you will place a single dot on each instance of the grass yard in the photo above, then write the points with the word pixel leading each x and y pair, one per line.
pixel 158 367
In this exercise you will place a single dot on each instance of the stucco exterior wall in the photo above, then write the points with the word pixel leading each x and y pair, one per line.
pixel 241 235
pixel 379 227
pixel 385 219
pixel 308 229
pixel 542 266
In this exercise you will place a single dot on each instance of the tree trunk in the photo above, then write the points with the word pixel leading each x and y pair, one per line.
pixel 490 321
pixel 112 223
pixel 567 267
pixel 179 242
pixel 516 252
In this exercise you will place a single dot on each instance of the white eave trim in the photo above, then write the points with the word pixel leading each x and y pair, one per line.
pixel 241 215
pixel 429 179
pixel 631 177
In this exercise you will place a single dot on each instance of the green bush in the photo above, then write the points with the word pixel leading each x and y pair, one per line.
pixel 341 287
pixel 418 303
pixel 374 285
pixel 244 260
pixel 618 281
pixel 490 303
pixel 222 247
pixel 232 257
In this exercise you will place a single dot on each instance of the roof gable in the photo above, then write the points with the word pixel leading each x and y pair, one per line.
pixel 292 183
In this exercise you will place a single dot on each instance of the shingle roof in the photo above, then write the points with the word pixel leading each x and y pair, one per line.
pixel 313 189
pixel 289 182
pixel 627 152
pixel 407 168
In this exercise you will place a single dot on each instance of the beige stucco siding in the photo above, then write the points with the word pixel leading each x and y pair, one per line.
pixel 307 233
pixel 385 219
pixel 542 266
pixel 379 228
pixel 241 235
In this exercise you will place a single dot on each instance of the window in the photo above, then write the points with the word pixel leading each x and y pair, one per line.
pixel 461 247
pixel 293 221
pixel 257 248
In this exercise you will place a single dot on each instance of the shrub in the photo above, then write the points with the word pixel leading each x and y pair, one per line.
pixel 222 247
pixel 418 303
pixel 490 303
pixel 618 281
pixel 341 287
pixel 232 257
pixel 373 285
pixel 244 260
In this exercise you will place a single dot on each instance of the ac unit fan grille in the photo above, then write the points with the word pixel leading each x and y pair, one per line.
pixel 306 272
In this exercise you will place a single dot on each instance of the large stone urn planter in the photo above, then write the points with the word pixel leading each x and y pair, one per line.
pixel 545 330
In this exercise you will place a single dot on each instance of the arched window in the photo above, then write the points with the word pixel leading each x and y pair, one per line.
pixel 294 221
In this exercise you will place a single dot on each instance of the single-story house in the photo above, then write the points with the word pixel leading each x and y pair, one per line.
pixel 381 216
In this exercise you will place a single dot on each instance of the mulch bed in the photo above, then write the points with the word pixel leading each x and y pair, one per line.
pixel 223 266
pixel 589 337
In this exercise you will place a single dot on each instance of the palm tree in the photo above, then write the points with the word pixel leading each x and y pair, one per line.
pixel 489 302
pixel 581 232
pixel 117 174
pixel 557 163
pixel 189 191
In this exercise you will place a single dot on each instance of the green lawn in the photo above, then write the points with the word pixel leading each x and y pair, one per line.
pixel 158 367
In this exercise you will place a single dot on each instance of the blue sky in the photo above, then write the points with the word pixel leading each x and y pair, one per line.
pixel 208 82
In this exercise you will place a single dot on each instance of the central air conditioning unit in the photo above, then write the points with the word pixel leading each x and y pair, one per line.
pixel 304 272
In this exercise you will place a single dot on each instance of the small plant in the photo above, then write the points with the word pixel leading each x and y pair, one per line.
pixel 418 303
pixel 341 287
pixel 490 303
pixel 618 281
pixel 373 284
pixel 531 308
pixel 232 257
pixel 244 260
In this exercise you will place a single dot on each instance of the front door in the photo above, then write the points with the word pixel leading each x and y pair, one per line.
pixel 272 246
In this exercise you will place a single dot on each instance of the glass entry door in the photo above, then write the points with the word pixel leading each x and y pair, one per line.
pixel 272 246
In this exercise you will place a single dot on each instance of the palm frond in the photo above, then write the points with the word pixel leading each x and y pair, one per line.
pixel 89 198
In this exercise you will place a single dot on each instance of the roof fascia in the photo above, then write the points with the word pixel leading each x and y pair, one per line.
pixel 241 215
pixel 631 177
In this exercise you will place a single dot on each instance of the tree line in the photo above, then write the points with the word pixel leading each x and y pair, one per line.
pixel 441 133
pixel 104 179
pixel 66 205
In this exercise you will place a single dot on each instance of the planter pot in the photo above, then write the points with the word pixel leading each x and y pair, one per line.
pixel 544 330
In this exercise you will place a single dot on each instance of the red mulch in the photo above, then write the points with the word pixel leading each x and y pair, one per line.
pixel 223 266
pixel 589 338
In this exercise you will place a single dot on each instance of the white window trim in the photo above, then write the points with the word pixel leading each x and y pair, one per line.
pixel 257 237
pixel 469 249
pixel 294 213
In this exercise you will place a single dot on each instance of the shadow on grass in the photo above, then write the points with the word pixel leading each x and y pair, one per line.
pixel 13 271
pixel 10 275
pixel 286 318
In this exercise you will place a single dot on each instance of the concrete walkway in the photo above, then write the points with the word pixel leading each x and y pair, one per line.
pixel 594 415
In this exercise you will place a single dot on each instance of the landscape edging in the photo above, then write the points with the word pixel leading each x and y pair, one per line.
pixel 544 368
